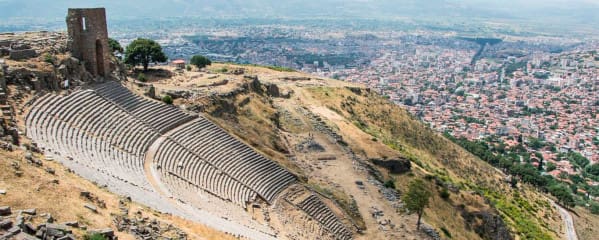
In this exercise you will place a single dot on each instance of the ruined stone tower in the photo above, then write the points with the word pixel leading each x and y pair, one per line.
pixel 88 39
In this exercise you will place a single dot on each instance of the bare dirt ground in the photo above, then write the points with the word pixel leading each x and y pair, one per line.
pixel 585 223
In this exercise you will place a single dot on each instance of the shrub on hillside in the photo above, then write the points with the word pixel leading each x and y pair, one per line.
pixel 444 193
pixel 167 99
pixel 390 184
pixel 200 61
pixel 95 236
pixel 142 77
pixel 49 58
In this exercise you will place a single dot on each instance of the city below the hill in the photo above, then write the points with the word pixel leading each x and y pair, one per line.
pixel 534 92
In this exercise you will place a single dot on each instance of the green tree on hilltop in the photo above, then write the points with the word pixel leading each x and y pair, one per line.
pixel 417 198
pixel 115 46
pixel 200 61
pixel 144 51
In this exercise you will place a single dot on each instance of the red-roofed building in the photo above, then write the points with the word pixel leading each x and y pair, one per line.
pixel 179 63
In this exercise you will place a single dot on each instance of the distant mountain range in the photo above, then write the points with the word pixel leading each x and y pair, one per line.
pixel 581 12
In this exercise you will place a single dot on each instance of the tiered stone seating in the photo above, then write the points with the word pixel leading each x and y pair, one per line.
pixel 105 132
pixel 159 116
pixel 175 160
pixel 316 209
pixel 213 146
pixel 94 132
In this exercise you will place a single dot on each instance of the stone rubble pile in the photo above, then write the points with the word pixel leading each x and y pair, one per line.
pixel 20 225
pixel 430 231
pixel 52 42
pixel 392 195
pixel 143 227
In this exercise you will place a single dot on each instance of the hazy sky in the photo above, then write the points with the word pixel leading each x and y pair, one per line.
pixel 552 11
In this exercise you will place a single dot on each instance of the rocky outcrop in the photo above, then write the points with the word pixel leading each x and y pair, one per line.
pixel 68 72
pixel 33 78
pixel 271 89
pixel 487 225
pixel 224 106
pixel 44 62
pixel 73 70
pixel 395 166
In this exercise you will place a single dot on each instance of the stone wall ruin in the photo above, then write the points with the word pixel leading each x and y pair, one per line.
pixel 88 39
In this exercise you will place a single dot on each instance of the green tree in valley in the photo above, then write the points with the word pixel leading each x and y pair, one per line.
pixel 594 208
pixel 563 194
pixel 115 46
pixel 550 167
pixel 200 61
pixel 578 159
pixel 417 198
pixel 144 51
pixel 593 169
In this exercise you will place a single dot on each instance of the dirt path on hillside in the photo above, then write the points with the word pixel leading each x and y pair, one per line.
pixel 568 222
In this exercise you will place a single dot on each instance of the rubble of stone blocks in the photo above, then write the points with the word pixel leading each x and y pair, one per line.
pixel 20 225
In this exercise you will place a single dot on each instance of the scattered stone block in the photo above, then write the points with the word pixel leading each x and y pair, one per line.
pixel 4 52
pixel 50 171
pixel 5 43
pixel 49 218
pixel 29 228
pixel 28 155
pixel 106 232
pixel 31 211
pixel 85 194
pixel 72 224
pixel 14 230
pixel 2 192
pixel 5 211
pixel 20 46
pixel 19 220
pixel 5 224
pixel 22 54
pixel 56 230
pixel 40 233
pixel 91 207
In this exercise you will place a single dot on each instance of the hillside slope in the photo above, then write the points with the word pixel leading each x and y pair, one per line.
pixel 338 138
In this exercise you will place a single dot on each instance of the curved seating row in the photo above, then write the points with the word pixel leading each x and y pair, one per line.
pixel 177 161
pixel 110 129
pixel 159 116
pixel 88 129
pixel 211 145
pixel 316 209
